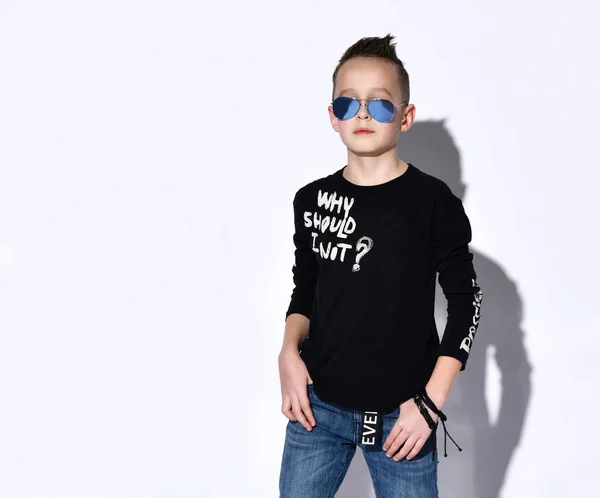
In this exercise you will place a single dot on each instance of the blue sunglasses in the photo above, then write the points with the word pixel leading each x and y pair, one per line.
pixel 380 109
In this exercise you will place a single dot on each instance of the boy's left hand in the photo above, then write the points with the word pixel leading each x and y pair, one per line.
pixel 410 430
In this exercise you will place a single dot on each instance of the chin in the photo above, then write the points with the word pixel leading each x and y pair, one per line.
pixel 365 146
pixel 365 152
pixel 365 149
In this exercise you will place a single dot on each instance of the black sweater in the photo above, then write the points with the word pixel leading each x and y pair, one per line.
pixel 365 266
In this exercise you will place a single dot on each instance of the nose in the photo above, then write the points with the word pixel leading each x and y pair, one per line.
pixel 363 113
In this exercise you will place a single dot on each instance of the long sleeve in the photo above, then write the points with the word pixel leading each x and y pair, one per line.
pixel 306 269
pixel 451 235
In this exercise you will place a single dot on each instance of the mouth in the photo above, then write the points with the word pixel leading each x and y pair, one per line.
pixel 363 131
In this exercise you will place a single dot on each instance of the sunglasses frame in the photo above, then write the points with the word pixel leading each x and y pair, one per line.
pixel 366 104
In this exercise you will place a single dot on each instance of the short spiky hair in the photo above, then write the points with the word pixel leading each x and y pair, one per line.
pixel 382 48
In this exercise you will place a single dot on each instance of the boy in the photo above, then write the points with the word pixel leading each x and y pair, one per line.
pixel 361 361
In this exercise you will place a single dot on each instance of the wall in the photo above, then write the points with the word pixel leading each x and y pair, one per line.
pixel 149 154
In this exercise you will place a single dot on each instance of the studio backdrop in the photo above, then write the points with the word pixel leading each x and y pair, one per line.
pixel 149 155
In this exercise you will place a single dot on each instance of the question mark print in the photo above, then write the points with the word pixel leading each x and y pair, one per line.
pixel 363 246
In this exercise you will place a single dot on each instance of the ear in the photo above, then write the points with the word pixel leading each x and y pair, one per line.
pixel 408 118
pixel 333 119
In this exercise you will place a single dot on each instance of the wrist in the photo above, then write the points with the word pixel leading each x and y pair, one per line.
pixel 430 417
pixel 289 351
pixel 439 398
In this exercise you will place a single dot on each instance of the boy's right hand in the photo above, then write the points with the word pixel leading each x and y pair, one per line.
pixel 294 379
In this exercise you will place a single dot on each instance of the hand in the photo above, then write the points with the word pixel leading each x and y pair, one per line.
pixel 294 380
pixel 410 430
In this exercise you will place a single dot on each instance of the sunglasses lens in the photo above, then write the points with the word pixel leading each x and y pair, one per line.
pixel 345 107
pixel 381 110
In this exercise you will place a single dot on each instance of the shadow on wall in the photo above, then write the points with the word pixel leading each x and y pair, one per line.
pixel 488 445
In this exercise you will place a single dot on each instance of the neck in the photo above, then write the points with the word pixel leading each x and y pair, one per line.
pixel 371 170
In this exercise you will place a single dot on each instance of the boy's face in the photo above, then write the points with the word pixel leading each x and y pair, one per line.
pixel 365 79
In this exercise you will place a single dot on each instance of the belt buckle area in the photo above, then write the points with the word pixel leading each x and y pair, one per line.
pixel 371 430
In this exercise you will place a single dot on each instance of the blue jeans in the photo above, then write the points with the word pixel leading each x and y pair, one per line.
pixel 315 462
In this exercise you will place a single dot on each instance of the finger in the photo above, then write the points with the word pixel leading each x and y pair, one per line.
pixel 286 409
pixel 406 449
pixel 297 409
pixel 397 443
pixel 307 409
pixel 415 451
pixel 396 429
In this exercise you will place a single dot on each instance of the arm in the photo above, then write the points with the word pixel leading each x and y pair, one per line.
pixel 451 235
pixel 296 330
pixel 306 268
pixel 441 380
pixel 292 370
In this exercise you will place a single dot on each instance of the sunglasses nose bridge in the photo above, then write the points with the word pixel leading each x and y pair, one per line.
pixel 363 109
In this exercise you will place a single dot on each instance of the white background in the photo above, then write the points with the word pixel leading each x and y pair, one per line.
pixel 149 154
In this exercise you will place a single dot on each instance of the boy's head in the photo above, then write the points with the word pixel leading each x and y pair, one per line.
pixel 370 69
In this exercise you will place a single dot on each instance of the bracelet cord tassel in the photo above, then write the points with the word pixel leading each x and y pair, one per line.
pixel 424 398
